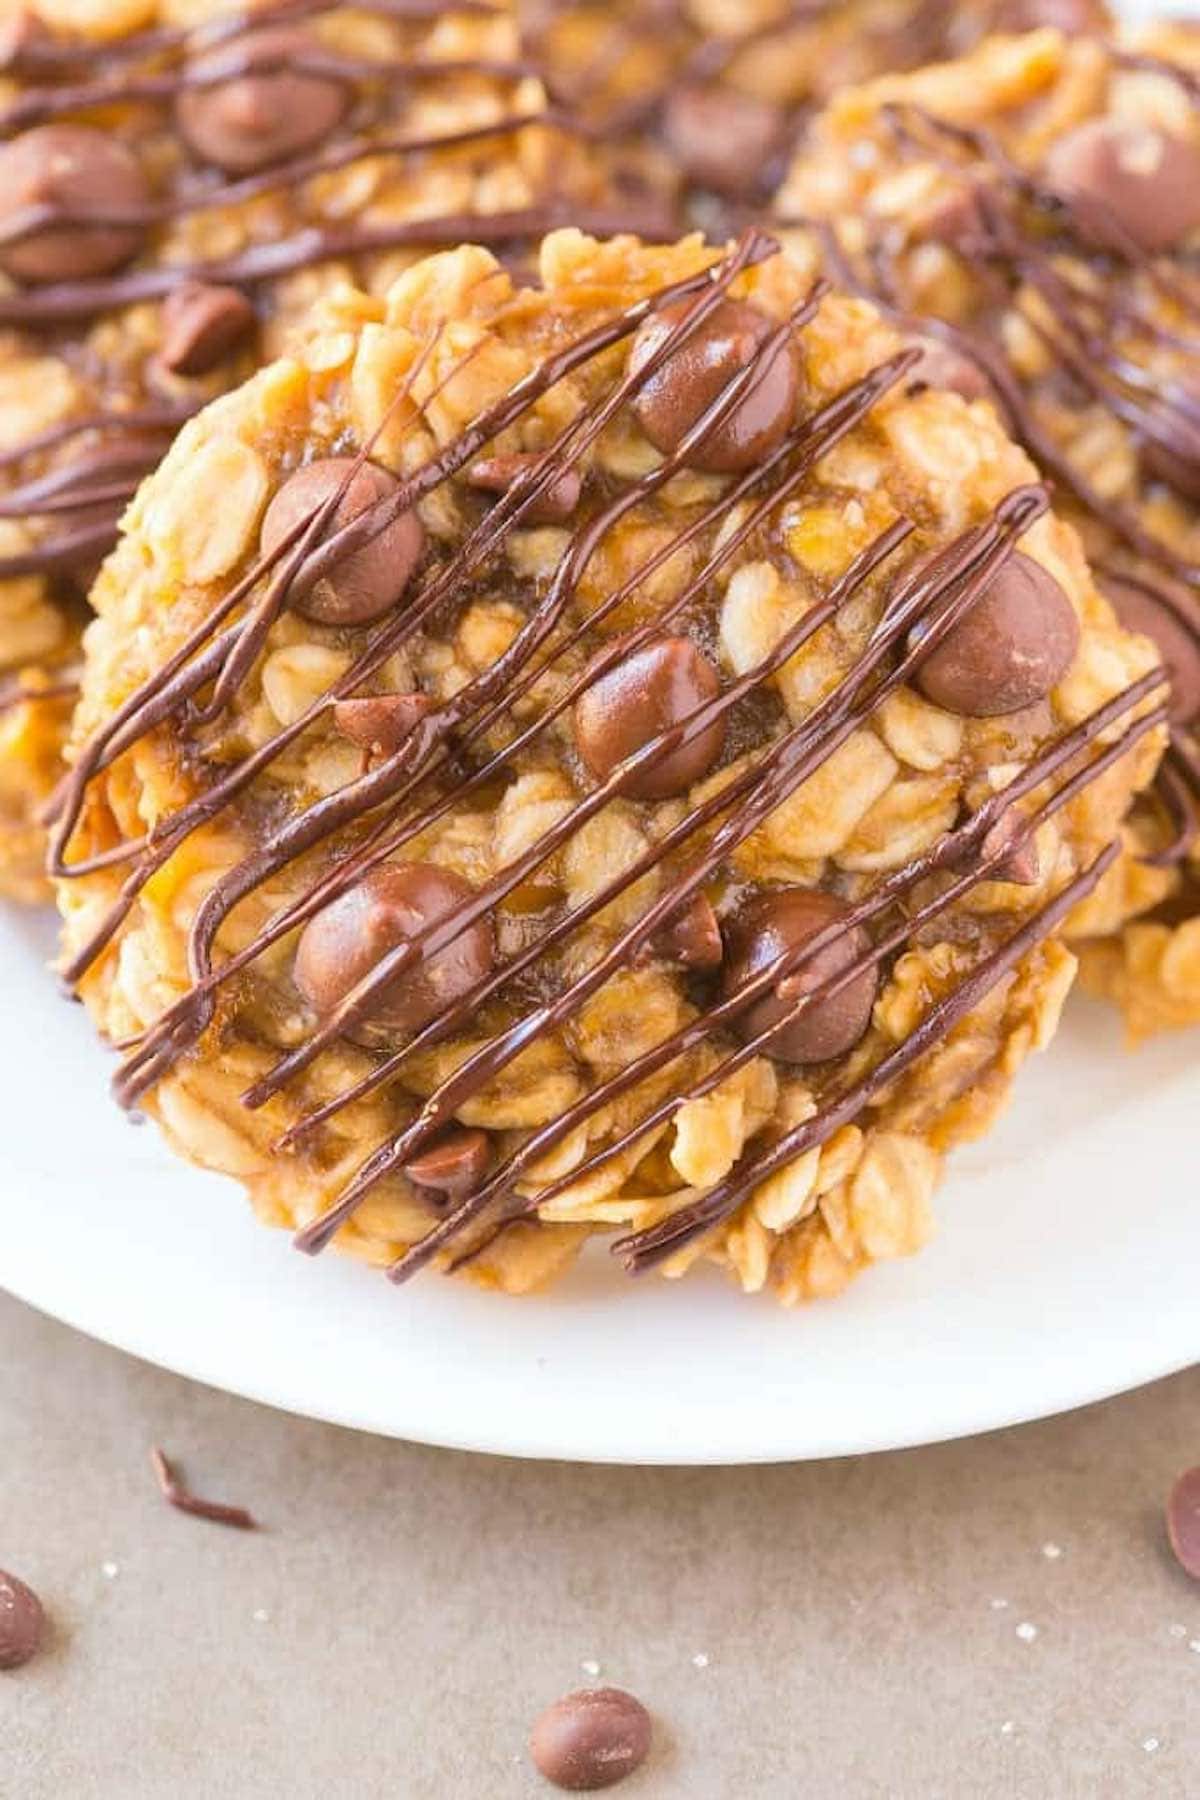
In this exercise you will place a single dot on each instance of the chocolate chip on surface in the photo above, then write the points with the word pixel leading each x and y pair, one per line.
pixel 364 584
pixel 724 139
pixel 762 932
pixel 265 113
pixel 647 693
pixel 1178 643
pixel 22 1622
pixel 691 378
pixel 591 1739
pixel 381 722
pixel 454 1165
pixel 1014 644
pixel 496 474
pixel 1183 1521
pixel 346 940
pixel 76 168
pixel 201 324
pixel 1144 180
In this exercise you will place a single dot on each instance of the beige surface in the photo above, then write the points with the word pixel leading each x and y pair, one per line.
pixel 422 1605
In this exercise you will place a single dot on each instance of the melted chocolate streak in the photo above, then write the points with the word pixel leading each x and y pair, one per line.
pixel 111 79
pixel 937 597
pixel 1085 321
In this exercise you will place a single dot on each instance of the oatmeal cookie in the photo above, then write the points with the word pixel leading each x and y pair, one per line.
pixel 702 100
pixel 178 183
pixel 604 754
pixel 1033 214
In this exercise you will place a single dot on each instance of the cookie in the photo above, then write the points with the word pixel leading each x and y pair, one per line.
pixel 178 183
pixel 605 754
pixel 1032 215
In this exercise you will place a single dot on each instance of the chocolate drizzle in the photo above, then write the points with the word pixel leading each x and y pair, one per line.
pixel 397 798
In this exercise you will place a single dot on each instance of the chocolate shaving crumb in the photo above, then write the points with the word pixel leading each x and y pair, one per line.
pixel 177 1494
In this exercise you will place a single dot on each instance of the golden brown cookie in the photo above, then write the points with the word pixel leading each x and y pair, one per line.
pixel 609 754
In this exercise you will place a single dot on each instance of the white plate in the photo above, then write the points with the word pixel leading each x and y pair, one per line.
pixel 1065 1271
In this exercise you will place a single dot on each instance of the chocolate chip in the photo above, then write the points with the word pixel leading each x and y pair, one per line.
pixel 265 114
pixel 723 139
pixel 1014 644
pixel 942 366
pixel 392 904
pixel 366 583
pixel 672 399
pixel 496 474
pixel 591 1739
pixel 1183 1521
pixel 692 937
pixel 22 1622
pixel 1140 609
pixel 1173 456
pixel 1139 183
pixel 382 722
pixel 201 324
pixel 647 693
pixel 454 1165
pixel 777 922
pixel 76 168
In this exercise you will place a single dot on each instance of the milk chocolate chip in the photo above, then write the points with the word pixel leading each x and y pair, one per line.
pixel 454 1165
pixel 392 904
pixel 78 169
pixel 496 474
pixel 382 722
pixel 1016 641
pixel 1146 181
pixel 591 1739
pixel 723 139
pixel 774 923
pixel 1183 1521
pixel 201 324
pixel 683 387
pixel 366 583
pixel 653 689
pixel 1178 643
pixel 22 1622
pixel 264 114
pixel 692 937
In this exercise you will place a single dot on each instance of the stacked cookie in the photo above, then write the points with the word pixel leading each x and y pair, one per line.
pixel 597 722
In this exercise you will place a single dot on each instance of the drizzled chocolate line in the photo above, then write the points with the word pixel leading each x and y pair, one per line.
pixel 935 597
